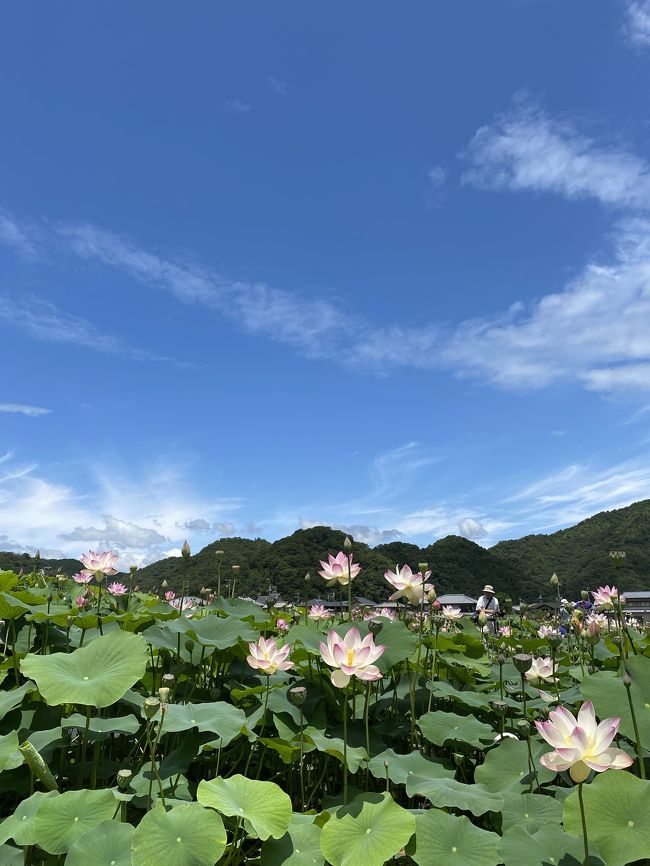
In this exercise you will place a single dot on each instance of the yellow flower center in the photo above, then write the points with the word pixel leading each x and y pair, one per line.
pixel 350 657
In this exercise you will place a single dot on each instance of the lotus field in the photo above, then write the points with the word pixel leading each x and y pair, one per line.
pixel 160 730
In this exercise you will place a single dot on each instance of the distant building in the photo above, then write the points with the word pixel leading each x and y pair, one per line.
pixel 464 602
pixel 637 604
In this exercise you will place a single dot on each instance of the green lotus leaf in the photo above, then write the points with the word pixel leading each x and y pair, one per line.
pixel 10 856
pixel 216 718
pixel 549 846
pixel 334 746
pixel 184 836
pixel 439 728
pixel 241 608
pixel 119 724
pixel 300 845
pixel 369 831
pixel 96 675
pixel 8 580
pixel 506 766
pixel 65 817
pixel 617 805
pixel 12 699
pixel 447 793
pixel 400 767
pixel 609 696
pixel 108 844
pixel 21 825
pixel 264 806
pixel 400 644
pixel 310 636
pixel 11 607
pixel 221 633
pixel 443 838
pixel 10 757
pixel 530 811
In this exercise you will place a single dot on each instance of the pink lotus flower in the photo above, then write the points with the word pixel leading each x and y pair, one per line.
pixel 99 565
pixel 170 595
pixel 351 656
pixel 187 603
pixel 80 577
pixel 449 612
pixel 386 612
pixel 319 611
pixel 267 658
pixel 117 588
pixel 600 620
pixel 505 631
pixel 81 601
pixel 546 631
pixel 340 568
pixel 605 596
pixel 282 625
pixel 408 584
pixel 540 669
pixel 580 744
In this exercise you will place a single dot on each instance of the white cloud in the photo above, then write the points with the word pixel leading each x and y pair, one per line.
pixel 116 533
pixel 198 524
pixel 470 528
pixel 224 529
pixel 638 22
pixel 238 106
pixel 280 87
pixel 18 237
pixel 23 409
pixel 437 176
pixel 369 535
pixel 525 149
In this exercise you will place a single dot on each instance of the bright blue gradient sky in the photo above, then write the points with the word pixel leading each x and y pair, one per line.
pixel 268 265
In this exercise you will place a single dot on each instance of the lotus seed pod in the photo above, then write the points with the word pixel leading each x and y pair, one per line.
pixel 523 662
pixel 189 645
pixel 423 567
pixel 168 679
pixel 523 727
pixel 133 569
pixel 218 553
pixel 235 568
pixel 124 779
pixel 375 627
pixel 499 707
pixel 298 695
pixel 151 707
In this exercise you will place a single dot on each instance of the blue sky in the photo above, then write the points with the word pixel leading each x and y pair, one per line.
pixel 265 266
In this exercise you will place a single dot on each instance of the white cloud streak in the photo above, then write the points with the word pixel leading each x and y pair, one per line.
pixel 526 150
pixel 637 25
pixel 23 409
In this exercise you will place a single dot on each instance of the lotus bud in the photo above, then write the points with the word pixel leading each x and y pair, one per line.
pixel 523 609
pixel 69 620
pixel 37 555
pixel 204 591
pixel 431 595
pixel 482 618
pixel 308 578
pixel 164 584
pixel 297 695
pixel 501 659
pixel 151 707
pixel 133 569
pixel 555 580
pixel 61 579
pixel 523 662
pixel 592 633
pixel 189 645
pixel 347 544
pixel 584 595
pixel 163 694
pixel 627 682
pixel 124 779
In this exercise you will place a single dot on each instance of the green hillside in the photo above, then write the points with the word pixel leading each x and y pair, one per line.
pixel 520 568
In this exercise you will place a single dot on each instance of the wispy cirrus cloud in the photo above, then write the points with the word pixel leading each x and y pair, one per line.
pixel 526 149
pixel 238 106
pixel 24 409
pixel 278 86
pixel 637 23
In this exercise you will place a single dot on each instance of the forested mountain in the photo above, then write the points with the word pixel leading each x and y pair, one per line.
pixel 521 568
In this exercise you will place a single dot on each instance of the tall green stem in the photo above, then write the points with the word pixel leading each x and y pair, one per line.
pixel 638 747
pixel 345 746
pixel 584 825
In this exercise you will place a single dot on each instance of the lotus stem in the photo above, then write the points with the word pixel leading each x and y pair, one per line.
pixel 584 825
pixel 345 746
pixel 638 747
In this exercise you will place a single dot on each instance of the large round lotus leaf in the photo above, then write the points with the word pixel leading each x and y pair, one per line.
pixel 442 838
pixel 263 805
pixel 108 844
pixel 439 728
pixel 370 831
pixel 215 718
pixel 549 846
pixel 221 633
pixel 96 675
pixel 400 767
pixel 447 793
pixel 184 836
pixel 617 806
pixel 11 699
pixel 334 746
pixel 609 697
pixel 21 825
pixel 530 811
pixel 300 845
pixel 400 643
pixel 65 817
pixel 11 856
pixel 120 724
pixel 506 766
pixel 10 757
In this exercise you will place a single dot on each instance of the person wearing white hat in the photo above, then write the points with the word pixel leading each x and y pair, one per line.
pixel 489 603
